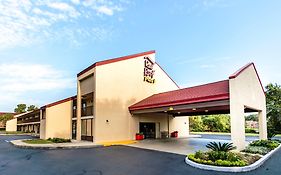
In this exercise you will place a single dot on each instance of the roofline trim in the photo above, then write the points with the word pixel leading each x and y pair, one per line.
pixel 242 69
pixel 113 60
pixel 223 96
pixel 59 102
pixel 239 71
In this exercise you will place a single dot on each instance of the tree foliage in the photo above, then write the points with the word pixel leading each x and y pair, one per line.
pixel 273 105
pixel 21 108
pixel 213 123
pixel 31 108
pixel 5 117
pixel 196 124
pixel 252 117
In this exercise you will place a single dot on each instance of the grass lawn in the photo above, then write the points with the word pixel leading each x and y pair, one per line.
pixel 11 132
pixel 37 141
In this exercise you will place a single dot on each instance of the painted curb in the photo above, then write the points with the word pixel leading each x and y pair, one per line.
pixel 50 146
pixel 233 169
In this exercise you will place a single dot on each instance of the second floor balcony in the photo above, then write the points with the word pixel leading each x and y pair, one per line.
pixel 87 111
pixel 28 120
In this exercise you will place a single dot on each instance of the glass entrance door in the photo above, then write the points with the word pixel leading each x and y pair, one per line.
pixel 87 129
pixel 74 126
pixel 148 130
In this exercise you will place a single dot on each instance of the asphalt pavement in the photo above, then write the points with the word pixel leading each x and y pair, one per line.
pixel 113 160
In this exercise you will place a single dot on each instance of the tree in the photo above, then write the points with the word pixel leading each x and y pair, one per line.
pixel 252 117
pixel 31 108
pixel 217 123
pixel 273 105
pixel 5 117
pixel 21 108
pixel 196 124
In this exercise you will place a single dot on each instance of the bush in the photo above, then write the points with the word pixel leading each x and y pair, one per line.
pixel 59 140
pixel 271 144
pixel 219 162
pixel 250 130
pixel 257 150
pixel 220 147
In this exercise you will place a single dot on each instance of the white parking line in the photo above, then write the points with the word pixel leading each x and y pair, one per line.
pixel 7 141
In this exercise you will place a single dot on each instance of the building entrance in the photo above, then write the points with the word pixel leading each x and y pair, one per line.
pixel 148 130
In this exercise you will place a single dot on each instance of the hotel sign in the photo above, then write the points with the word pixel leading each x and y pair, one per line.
pixel 148 72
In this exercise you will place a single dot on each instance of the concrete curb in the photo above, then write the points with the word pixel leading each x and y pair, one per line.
pixel 21 144
pixel 233 169
pixel 26 134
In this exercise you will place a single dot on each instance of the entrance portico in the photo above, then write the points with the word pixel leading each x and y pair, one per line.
pixel 241 93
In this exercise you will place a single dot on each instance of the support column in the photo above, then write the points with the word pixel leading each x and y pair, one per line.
pixel 78 121
pixel 237 124
pixel 262 125
pixel 168 125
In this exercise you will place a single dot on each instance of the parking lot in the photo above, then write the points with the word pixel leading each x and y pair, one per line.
pixel 113 160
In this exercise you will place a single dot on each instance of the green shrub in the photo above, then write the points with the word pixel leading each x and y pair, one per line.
pixel 219 162
pixel 271 144
pixel 201 155
pixel 257 150
pixel 250 130
pixel 217 155
pixel 220 147
pixel 59 140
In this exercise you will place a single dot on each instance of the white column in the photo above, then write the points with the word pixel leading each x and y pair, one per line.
pixel 262 125
pixel 78 127
pixel 237 124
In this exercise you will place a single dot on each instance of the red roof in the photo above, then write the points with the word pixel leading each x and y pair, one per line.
pixel 207 92
pixel 114 60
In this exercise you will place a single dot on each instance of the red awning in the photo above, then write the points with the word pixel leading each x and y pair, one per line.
pixel 197 94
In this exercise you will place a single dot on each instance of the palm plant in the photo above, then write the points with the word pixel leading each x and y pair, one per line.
pixel 214 146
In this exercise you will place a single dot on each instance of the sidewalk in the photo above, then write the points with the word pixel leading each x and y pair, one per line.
pixel 73 145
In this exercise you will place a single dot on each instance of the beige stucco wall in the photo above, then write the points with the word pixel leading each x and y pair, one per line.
pixel 11 125
pixel 119 85
pixel 58 120
pixel 43 129
pixel 180 124
pixel 246 91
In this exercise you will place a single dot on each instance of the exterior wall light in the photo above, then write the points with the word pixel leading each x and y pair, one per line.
pixel 206 110
pixel 171 108
pixel 194 109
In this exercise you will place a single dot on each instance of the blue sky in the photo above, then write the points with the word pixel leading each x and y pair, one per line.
pixel 44 44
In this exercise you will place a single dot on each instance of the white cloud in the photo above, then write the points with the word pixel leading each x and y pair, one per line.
pixel 27 22
pixel 20 82
pixel 105 10
pixel 75 1
pixel 64 7
pixel 21 78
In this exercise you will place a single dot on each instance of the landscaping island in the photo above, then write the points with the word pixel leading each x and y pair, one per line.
pixel 222 157
pixel 48 141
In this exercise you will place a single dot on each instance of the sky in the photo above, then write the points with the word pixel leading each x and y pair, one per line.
pixel 45 43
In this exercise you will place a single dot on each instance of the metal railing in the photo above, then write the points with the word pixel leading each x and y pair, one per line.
pixel 29 120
